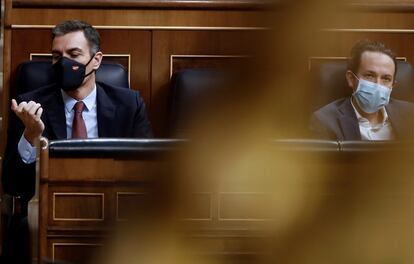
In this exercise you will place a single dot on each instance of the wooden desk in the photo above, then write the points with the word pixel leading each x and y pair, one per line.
pixel 85 188
pixel 287 197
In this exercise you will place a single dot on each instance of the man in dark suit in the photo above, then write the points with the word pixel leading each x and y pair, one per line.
pixel 369 114
pixel 75 107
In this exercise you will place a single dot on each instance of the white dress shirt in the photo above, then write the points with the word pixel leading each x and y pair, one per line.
pixel 88 114
pixel 380 131
pixel 28 152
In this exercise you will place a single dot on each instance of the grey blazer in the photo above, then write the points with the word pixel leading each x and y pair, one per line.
pixel 337 120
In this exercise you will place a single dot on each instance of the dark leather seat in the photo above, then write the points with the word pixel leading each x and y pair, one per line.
pixel 329 83
pixel 190 91
pixel 35 74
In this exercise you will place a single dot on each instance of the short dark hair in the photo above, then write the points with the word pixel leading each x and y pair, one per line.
pixel 90 33
pixel 367 45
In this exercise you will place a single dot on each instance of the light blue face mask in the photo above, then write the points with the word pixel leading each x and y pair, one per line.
pixel 370 96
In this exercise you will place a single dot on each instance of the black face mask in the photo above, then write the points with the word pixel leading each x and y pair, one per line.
pixel 69 73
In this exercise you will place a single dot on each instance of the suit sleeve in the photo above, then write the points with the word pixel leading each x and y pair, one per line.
pixel 142 127
pixel 18 178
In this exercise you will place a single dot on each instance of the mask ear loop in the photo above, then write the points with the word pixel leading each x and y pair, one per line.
pixel 353 94
pixel 92 71
pixel 355 75
pixel 358 82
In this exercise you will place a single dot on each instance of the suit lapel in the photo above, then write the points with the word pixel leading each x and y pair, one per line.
pixel 105 113
pixel 395 118
pixel 348 121
pixel 55 112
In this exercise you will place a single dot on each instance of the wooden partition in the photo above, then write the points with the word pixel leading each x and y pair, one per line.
pixel 86 188
pixel 297 194
pixel 390 22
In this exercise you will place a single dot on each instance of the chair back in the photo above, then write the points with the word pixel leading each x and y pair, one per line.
pixel 32 75
pixel 190 91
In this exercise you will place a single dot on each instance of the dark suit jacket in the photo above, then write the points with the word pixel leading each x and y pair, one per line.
pixel 337 120
pixel 120 114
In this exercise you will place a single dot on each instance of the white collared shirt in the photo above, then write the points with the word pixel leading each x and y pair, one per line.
pixel 28 152
pixel 381 131
pixel 88 114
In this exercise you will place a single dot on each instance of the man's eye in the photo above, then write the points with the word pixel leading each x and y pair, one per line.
pixel 369 77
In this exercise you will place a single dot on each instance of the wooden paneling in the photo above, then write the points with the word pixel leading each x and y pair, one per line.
pixel 82 199
pixel 206 4
pixel 182 62
pixel 75 205
pixel 75 250
pixel 131 17
pixel 238 206
pixel 197 207
pixel 337 43
pixel 78 206
pixel 127 202
pixel 101 170
pixel 81 206
pixel 138 45
pixel 373 20
pixel 229 245
pixel 40 42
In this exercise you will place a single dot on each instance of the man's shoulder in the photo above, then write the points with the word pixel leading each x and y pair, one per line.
pixel 331 108
pixel 323 122
pixel 38 95
pixel 116 92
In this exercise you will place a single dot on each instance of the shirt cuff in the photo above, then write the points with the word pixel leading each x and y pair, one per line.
pixel 26 150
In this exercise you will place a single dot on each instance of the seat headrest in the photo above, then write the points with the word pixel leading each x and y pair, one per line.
pixel 32 75
pixel 190 90
pixel 329 83
pixel 113 73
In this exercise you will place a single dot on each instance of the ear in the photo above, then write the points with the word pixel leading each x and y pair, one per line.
pixel 351 80
pixel 96 61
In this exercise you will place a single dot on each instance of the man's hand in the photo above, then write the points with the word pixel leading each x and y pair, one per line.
pixel 29 113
